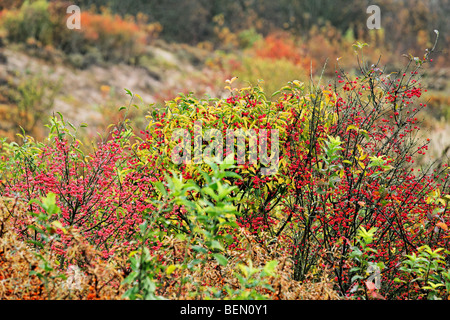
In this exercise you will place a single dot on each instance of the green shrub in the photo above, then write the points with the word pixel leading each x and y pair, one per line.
pixel 31 21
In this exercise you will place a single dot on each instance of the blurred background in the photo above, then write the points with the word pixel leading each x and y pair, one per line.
pixel 158 49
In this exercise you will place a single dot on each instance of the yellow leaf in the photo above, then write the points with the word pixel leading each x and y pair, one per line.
pixel 58 225
pixel 362 164
pixel 230 81
pixel 105 88
pixel 298 83
pixel 442 225
pixel 245 122
pixel 170 269
pixel 362 157
pixel 350 127
pixel 132 253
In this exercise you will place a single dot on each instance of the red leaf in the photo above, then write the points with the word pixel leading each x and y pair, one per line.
pixel 370 286
pixel 376 295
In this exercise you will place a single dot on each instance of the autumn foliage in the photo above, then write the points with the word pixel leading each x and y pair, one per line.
pixel 348 214
pixel 104 37
pixel 275 47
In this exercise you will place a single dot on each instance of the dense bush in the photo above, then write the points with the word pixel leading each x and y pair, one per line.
pixel 247 196
pixel 103 37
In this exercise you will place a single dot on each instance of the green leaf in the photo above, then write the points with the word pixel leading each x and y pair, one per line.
pixel 356 277
pixel 220 259
pixel 37 243
pixel 275 93
pixel 216 245
pixel 270 266
pixel 49 200
pixel 199 249
pixel 128 92
pixel 360 45
pixel 159 185
pixel 193 263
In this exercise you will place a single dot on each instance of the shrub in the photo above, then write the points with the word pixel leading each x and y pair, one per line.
pixel 339 191
pixel 94 190
pixel 347 157
pixel 425 274
pixel 116 38
pixel 364 175
pixel 276 47
pixel 31 21
pixel 29 270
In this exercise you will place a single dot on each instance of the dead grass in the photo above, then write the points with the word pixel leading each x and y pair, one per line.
pixel 24 276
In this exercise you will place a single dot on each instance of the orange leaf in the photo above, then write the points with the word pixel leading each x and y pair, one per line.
pixel 370 286
pixel 376 295
pixel 442 225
